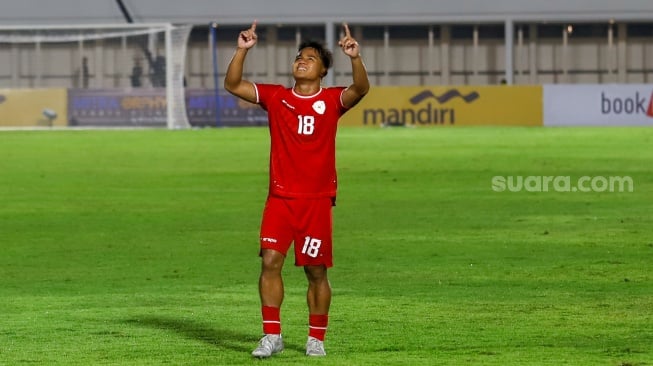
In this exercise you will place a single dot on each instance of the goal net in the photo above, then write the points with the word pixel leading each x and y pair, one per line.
pixel 93 76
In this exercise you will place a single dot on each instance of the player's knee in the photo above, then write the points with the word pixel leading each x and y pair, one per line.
pixel 316 273
pixel 272 261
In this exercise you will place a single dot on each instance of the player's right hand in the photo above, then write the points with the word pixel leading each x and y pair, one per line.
pixel 248 38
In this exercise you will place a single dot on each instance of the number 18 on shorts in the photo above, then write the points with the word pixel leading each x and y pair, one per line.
pixel 307 223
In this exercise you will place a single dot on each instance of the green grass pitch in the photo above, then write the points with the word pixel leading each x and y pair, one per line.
pixel 140 248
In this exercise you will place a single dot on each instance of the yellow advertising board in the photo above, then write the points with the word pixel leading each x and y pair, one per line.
pixel 33 107
pixel 500 105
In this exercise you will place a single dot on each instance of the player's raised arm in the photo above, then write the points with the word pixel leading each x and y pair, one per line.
pixel 361 84
pixel 233 81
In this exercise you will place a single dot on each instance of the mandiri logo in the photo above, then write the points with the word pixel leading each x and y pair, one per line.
pixel 451 94
pixel 426 108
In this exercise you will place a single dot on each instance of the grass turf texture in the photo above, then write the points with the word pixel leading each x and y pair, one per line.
pixel 139 248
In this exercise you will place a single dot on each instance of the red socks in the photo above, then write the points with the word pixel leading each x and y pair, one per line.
pixel 317 325
pixel 271 320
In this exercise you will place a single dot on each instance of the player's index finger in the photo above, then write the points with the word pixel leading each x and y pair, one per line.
pixel 253 28
pixel 347 33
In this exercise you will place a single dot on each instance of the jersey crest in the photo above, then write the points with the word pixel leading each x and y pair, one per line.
pixel 319 107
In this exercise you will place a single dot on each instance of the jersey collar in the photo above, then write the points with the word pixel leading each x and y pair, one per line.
pixel 306 96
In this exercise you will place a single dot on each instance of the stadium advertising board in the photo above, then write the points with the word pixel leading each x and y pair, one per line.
pixel 117 107
pixel 33 108
pixel 448 106
pixel 598 105
pixel 148 108
pixel 201 107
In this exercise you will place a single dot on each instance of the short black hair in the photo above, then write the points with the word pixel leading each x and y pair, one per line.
pixel 325 55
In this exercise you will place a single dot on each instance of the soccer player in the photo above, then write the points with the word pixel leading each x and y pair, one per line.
pixel 303 121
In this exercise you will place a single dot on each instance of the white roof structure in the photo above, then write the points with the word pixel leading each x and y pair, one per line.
pixel 16 12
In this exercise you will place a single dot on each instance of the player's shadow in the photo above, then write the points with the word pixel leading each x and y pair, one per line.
pixel 221 338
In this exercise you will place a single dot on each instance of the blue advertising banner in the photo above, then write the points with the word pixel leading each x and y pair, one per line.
pixel 148 108
pixel 201 107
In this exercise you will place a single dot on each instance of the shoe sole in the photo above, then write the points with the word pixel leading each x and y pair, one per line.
pixel 273 353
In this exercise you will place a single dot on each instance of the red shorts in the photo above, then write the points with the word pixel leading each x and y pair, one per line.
pixel 306 222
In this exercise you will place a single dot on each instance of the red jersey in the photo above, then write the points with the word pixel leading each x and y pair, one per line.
pixel 302 140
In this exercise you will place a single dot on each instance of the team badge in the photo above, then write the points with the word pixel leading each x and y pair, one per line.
pixel 319 106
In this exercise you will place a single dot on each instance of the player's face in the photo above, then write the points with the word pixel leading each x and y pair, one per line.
pixel 308 65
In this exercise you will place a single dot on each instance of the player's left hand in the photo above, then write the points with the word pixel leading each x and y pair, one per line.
pixel 348 44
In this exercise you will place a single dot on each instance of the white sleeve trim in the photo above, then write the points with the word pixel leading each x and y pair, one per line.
pixel 256 91
pixel 341 93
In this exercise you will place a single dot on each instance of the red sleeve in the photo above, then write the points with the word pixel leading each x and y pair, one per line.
pixel 336 94
pixel 264 92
